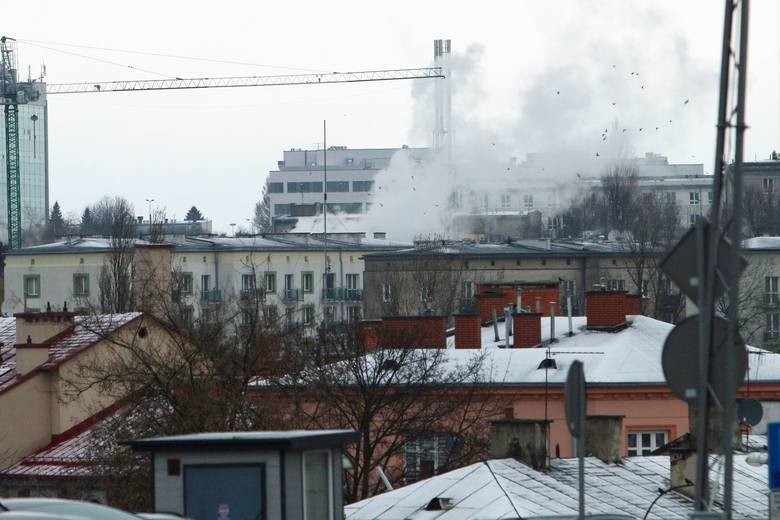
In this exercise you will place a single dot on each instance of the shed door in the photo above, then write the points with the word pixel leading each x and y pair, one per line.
pixel 229 492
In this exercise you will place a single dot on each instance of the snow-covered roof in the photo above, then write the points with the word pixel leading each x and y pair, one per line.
pixel 507 488
pixel 629 356
pixel 296 439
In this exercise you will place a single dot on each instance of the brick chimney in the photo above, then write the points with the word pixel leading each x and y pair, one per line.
pixel 606 310
pixel 369 332
pixel 33 331
pixel 468 331
pixel 521 439
pixel 487 302
pixel 527 328
pixel 414 332
pixel 153 276
pixel 633 304
pixel 604 437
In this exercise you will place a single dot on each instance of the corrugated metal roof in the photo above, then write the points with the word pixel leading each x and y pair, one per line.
pixel 507 488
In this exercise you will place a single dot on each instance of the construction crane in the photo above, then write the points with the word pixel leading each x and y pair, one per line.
pixel 13 93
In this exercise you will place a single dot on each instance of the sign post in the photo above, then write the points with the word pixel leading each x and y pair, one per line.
pixel 575 404
pixel 773 440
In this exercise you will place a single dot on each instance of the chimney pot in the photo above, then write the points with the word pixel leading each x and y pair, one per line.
pixel 468 331
pixel 605 310
pixel 527 328
pixel 604 437
pixel 524 440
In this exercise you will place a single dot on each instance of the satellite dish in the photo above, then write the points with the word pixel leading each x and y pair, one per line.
pixel 680 360
pixel 575 399
pixel 750 412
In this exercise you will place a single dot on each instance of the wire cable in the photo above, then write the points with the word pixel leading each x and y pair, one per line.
pixel 175 56
pixel 123 65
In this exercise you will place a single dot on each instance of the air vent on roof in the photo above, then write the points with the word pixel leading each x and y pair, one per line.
pixel 440 504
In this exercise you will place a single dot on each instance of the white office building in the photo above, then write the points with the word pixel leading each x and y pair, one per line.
pixel 297 187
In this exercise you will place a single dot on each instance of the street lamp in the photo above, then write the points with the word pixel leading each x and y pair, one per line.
pixel 150 213
pixel 233 228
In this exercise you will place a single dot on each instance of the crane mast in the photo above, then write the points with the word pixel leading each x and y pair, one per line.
pixel 12 94
pixel 11 112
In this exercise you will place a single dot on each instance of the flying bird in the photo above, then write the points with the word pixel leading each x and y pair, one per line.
pixel 670 120
pixel 597 154
pixel 643 86
pixel 640 129
pixel 558 92
pixel 686 101
pixel 613 104
pixel 656 128
pixel 624 129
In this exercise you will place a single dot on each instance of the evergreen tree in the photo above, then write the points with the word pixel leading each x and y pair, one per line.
pixel 193 215
pixel 262 219
pixel 56 222
pixel 86 221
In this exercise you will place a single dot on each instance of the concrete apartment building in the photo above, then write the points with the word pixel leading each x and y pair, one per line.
pixel 446 278
pixel 296 188
pixel 286 272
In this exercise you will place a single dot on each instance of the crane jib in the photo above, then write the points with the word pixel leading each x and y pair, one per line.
pixel 245 81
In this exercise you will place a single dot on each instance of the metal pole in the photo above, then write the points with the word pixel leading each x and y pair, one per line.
pixel 732 271
pixel 568 313
pixel 581 457
pixel 702 398
pixel 708 249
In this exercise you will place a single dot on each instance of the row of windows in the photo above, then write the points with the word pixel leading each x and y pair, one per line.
pixel 32 285
pixel 427 455
pixel 184 281
pixel 316 186
pixel 302 210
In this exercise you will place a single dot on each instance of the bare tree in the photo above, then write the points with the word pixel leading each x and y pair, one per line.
pixel 393 397
pixel 115 216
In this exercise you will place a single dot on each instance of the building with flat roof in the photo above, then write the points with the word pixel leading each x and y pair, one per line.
pixel 297 187
pixel 286 273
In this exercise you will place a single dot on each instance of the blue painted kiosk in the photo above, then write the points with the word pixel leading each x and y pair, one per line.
pixel 290 475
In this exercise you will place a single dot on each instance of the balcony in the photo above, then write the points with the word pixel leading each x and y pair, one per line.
pixel 292 295
pixel 343 294
pixel 212 296
pixel 257 294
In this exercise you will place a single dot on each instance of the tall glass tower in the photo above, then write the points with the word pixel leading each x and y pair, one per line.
pixel 33 164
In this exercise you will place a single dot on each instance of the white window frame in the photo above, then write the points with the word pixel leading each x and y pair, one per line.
pixel 768 184
pixel 387 293
pixel 616 284
pixel 670 197
pixel 353 281
pixel 528 201
pixel 506 201
pixel 330 480
pixel 640 450
pixel 771 290
pixel 694 198
pixel 772 330
pixel 692 219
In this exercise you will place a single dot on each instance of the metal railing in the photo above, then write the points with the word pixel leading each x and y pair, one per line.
pixel 343 293
pixel 253 294
pixel 211 296
pixel 292 295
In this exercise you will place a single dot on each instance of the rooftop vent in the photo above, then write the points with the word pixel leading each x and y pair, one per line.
pixel 440 504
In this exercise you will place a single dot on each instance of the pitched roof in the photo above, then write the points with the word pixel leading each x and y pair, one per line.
pixel 507 488
pixel 87 331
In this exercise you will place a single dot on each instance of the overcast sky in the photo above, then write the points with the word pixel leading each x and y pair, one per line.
pixel 537 76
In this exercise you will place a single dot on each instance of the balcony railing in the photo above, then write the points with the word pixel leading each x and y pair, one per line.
pixel 292 295
pixel 771 299
pixel 211 296
pixel 343 294
pixel 253 294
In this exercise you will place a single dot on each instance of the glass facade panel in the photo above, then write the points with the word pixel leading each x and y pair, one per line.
pixel 338 186
pixel 275 187
pixel 33 170
pixel 362 185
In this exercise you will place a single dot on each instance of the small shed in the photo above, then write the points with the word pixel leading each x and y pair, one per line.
pixel 290 475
